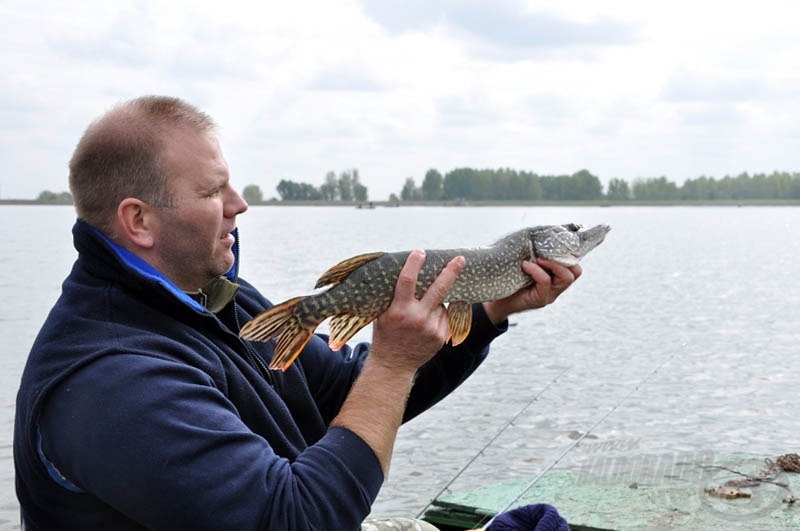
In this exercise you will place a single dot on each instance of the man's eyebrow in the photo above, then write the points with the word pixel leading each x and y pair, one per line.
pixel 216 184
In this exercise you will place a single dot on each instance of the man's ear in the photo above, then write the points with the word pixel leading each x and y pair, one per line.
pixel 136 222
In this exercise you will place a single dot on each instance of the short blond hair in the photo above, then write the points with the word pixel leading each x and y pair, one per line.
pixel 121 155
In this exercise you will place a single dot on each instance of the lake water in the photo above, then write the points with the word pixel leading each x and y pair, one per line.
pixel 682 332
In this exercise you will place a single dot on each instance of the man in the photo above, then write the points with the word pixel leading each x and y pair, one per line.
pixel 141 408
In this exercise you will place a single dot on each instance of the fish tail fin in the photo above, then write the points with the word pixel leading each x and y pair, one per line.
pixel 280 320
pixel 291 342
pixel 271 322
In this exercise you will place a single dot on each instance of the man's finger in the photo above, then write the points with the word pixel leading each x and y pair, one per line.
pixel 562 276
pixel 441 286
pixel 557 270
pixel 407 280
pixel 536 272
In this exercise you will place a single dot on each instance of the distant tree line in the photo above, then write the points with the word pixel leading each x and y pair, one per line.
pixel 467 184
pixel 502 184
pixel 776 185
pixel 53 198
pixel 507 184
pixel 346 187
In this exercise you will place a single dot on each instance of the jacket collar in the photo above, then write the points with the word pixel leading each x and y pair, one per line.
pixel 145 271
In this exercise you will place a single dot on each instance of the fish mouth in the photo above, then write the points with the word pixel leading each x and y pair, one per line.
pixel 596 234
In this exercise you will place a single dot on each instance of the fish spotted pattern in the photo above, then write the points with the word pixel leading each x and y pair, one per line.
pixel 362 287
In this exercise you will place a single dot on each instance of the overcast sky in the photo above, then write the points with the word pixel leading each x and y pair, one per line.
pixel 623 88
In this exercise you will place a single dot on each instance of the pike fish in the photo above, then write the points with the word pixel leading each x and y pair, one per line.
pixel 362 287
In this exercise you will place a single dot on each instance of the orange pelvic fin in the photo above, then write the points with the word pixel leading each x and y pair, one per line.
pixel 345 326
pixel 459 316
pixel 342 270
pixel 279 321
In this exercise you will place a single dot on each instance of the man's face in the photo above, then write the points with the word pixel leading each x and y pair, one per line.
pixel 193 243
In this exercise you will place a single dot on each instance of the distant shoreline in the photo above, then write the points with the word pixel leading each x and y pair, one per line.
pixel 367 205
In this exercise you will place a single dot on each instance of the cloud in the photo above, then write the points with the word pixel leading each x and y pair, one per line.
pixel 124 42
pixel 467 110
pixel 16 105
pixel 395 87
pixel 406 15
pixel 705 114
pixel 503 23
pixel 690 86
pixel 346 77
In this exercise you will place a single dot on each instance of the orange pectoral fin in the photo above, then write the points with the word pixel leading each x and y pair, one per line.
pixel 342 270
pixel 459 316
pixel 345 326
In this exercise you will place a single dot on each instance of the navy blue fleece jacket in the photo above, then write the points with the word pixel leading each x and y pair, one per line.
pixel 140 409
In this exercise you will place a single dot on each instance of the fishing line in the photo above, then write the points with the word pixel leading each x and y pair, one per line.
pixel 575 443
pixel 493 439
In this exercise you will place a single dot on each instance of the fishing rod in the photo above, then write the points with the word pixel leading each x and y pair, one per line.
pixel 494 438
pixel 575 443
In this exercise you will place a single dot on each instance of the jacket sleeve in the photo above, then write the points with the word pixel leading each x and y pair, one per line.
pixel 158 442
pixel 330 374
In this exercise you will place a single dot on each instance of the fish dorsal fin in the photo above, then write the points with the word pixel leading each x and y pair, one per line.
pixel 343 269
pixel 344 326
pixel 459 317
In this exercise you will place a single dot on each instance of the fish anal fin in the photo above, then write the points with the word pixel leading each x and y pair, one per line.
pixel 459 316
pixel 345 326
pixel 342 270
pixel 269 323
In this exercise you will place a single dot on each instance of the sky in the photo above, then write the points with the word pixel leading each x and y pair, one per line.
pixel 625 89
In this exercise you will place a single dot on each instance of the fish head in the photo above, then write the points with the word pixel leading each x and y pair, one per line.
pixel 566 244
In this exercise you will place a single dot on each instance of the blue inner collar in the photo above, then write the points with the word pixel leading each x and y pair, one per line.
pixel 146 270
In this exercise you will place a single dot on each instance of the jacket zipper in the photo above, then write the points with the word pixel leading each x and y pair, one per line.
pixel 255 359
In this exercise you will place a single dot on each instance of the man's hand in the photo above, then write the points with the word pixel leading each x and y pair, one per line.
pixel 550 280
pixel 404 337
pixel 411 331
